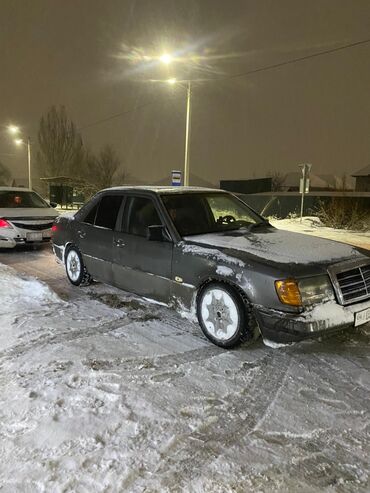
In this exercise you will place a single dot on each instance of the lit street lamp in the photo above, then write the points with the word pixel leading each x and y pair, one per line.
pixel 166 58
pixel 14 130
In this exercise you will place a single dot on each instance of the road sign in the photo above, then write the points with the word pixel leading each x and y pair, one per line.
pixel 304 183
pixel 176 178
pixel 307 188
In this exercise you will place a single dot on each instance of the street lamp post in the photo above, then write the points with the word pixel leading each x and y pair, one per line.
pixel 187 129
pixel 187 135
pixel 14 130
pixel 29 163
pixel 167 59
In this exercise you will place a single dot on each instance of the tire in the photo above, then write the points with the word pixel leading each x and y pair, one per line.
pixel 75 268
pixel 224 315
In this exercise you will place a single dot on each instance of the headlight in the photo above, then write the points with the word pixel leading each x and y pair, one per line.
pixel 305 291
pixel 315 290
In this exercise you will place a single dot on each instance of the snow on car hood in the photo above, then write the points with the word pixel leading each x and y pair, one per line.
pixel 279 246
pixel 25 212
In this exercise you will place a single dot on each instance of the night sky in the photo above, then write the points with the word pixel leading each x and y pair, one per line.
pixel 79 53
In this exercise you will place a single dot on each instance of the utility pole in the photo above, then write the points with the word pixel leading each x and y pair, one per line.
pixel 29 162
pixel 304 183
pixel 187 135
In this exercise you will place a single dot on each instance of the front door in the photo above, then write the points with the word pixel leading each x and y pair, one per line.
pixel 140 265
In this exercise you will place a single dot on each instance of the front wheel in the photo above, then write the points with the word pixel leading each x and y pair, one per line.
pixel 75 268
pixel 223 315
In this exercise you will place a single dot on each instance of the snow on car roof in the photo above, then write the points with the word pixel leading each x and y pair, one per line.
pixel 165 189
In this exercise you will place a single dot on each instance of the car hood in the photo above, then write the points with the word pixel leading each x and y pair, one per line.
pixel 276 245
pixel 28 213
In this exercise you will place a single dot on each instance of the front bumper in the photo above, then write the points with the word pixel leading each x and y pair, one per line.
pixel 323 320
pixel 16 237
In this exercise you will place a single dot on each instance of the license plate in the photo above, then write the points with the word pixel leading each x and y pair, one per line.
pixel 34 236
pixel 362 317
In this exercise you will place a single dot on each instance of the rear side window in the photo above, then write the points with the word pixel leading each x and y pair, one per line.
pixel 107 211
pixel 140 214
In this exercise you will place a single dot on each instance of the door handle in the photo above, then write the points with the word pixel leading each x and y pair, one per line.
pixel 119 243
pixel 81 234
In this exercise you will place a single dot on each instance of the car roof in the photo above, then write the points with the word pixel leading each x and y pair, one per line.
pixel 15 189
pixel 163 189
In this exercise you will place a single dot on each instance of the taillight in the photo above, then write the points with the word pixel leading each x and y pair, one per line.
pixel 4 224
pixel 54 228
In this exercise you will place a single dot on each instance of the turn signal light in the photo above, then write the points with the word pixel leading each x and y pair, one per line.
pixel 288 292
pixel 4 224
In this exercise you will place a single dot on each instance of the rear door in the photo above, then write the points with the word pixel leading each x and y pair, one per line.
pixel 95 236
pixel 140 265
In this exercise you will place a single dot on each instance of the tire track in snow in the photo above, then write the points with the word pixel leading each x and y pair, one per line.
pixel 325 459
pixel 62 337
pixel 199 447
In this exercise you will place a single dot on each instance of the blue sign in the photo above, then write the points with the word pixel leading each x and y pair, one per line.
pixel 176 178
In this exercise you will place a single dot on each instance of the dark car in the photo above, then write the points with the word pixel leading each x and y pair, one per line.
pixel 206 251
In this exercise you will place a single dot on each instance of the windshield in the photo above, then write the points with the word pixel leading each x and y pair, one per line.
pixel 201 213
pixel 10 199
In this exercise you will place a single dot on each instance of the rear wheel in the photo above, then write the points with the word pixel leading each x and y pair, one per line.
pixel 75 268
pixel 223 315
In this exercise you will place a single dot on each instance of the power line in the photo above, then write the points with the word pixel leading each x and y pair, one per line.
pixel 296 60
pixel 117 115
pixel 235 76
pixel 122 113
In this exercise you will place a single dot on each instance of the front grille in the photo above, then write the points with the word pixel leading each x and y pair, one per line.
pixel 354 284
pixel 33 227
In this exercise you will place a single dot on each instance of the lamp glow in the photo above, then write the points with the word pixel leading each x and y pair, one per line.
pixel 13 129
pixel 172 81
pixel 166 58
pixel 18 142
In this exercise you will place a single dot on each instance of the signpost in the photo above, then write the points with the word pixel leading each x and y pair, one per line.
pixel 176 178
pixel 304 183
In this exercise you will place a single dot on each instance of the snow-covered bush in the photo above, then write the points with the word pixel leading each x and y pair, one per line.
pixel 344 213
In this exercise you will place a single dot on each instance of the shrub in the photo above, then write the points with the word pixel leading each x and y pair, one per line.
pixel 344 213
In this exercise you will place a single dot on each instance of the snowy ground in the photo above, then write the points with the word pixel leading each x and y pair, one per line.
pixel 107 393
pixel 313 226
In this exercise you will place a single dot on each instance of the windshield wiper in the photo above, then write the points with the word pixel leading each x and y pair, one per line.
pixel 258 225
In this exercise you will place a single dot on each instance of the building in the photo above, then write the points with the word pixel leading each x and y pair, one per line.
pixel 362 179
pixel 325 182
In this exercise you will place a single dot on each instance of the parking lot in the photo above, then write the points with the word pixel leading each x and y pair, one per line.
pixel 102 391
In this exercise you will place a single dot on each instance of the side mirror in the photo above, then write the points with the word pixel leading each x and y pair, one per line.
pixel 156 233
pixel 53 204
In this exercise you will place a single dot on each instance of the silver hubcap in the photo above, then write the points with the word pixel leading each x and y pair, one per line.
pixel 220 314
pixel 73 265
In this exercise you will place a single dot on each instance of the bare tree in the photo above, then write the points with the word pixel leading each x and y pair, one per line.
pixel 5 175
pixel 103 169
pixel 61 148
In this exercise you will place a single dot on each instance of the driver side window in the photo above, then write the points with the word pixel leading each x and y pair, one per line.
pixel 227 211
pixel 140 213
